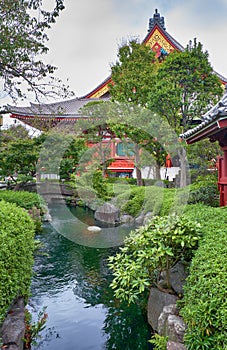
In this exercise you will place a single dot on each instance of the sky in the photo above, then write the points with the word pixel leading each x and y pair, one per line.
pixel 84 41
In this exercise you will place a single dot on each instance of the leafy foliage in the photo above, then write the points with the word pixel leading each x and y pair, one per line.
pixel 159 342
pixel 204 306
pixel 148 251
pixel 16 253
pixel 203 190
pixel 23 199
pixel 186 87
pixel 23 40
pixel 19 154
pixel 155 199
pixel 133 73
pixel 202 157
pixel 92 189
pixel 60 153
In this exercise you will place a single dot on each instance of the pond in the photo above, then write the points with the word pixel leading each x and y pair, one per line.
pixel 72 281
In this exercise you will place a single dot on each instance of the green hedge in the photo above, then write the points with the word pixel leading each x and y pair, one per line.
pixel 23 199
pixel 16 254
pixel 156 199
pixel 205 301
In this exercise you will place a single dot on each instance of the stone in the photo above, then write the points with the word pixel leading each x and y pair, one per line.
pixel 126 219
pixel 147 217
pixel 171 345
pixel 94 228
pixel 171 324
pixel 177 277
pixel 108 213
pixel 139 220
pixel 13 327
pixel 167 310
pixel 156 302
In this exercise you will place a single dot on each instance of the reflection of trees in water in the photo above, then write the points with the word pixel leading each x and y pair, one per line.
pixel 126 328
pixel 86 270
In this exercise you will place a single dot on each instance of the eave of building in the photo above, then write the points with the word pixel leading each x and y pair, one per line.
pixel 212 122
pixel 100 90
pixel 64 109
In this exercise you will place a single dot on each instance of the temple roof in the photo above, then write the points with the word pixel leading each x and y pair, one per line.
pixel 212 122
pixel 69 108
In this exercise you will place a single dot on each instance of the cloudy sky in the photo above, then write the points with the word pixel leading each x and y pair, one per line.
pixel 84 42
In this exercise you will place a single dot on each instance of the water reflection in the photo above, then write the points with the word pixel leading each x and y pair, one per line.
pixel 73 282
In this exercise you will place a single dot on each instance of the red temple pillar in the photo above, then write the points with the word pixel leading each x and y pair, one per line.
pixel 222 177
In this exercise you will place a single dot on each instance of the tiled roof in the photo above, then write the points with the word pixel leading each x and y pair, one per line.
pixel 219 110
pixel 69 108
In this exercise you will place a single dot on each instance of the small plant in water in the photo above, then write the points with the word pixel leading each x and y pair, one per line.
pixel 32 330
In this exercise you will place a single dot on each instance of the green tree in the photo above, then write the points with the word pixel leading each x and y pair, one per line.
pixel 19 154
pixel 134 76
pixel 60 153
pixel 134 73
pixel 23 40
pixel 186 87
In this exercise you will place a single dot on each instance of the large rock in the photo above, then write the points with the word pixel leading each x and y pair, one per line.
pixel 171 345
pixel 156 302
pixel 13 327
pixel 171 324
pixel 177 277
pixel 107 213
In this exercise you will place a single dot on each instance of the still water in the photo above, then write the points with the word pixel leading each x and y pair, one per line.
pixel 71 280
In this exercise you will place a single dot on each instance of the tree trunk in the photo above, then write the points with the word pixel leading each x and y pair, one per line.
pixel 183 167
pixel 157 171
pixel 137 162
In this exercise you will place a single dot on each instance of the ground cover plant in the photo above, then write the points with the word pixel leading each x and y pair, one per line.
pixel 16 254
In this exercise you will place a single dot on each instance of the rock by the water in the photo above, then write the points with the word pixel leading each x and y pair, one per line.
pixel 177 277
pixel 127 219
pixel 107 213
pixel 139 219
pixel 13 328
pixel 148 217
pixel 94 228
pixel 156 302
pixel 171 324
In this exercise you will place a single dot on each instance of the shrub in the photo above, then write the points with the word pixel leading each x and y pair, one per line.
pixel 156 199
pixel 204 306
pixel 204 190
pixel 16 254
pixel 150 250
pixel 23 199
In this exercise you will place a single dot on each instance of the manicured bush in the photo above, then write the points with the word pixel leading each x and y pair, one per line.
pixel 154 199
pixel 204 190
pixel 23 199
pixel 204 306
pixel 16 254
